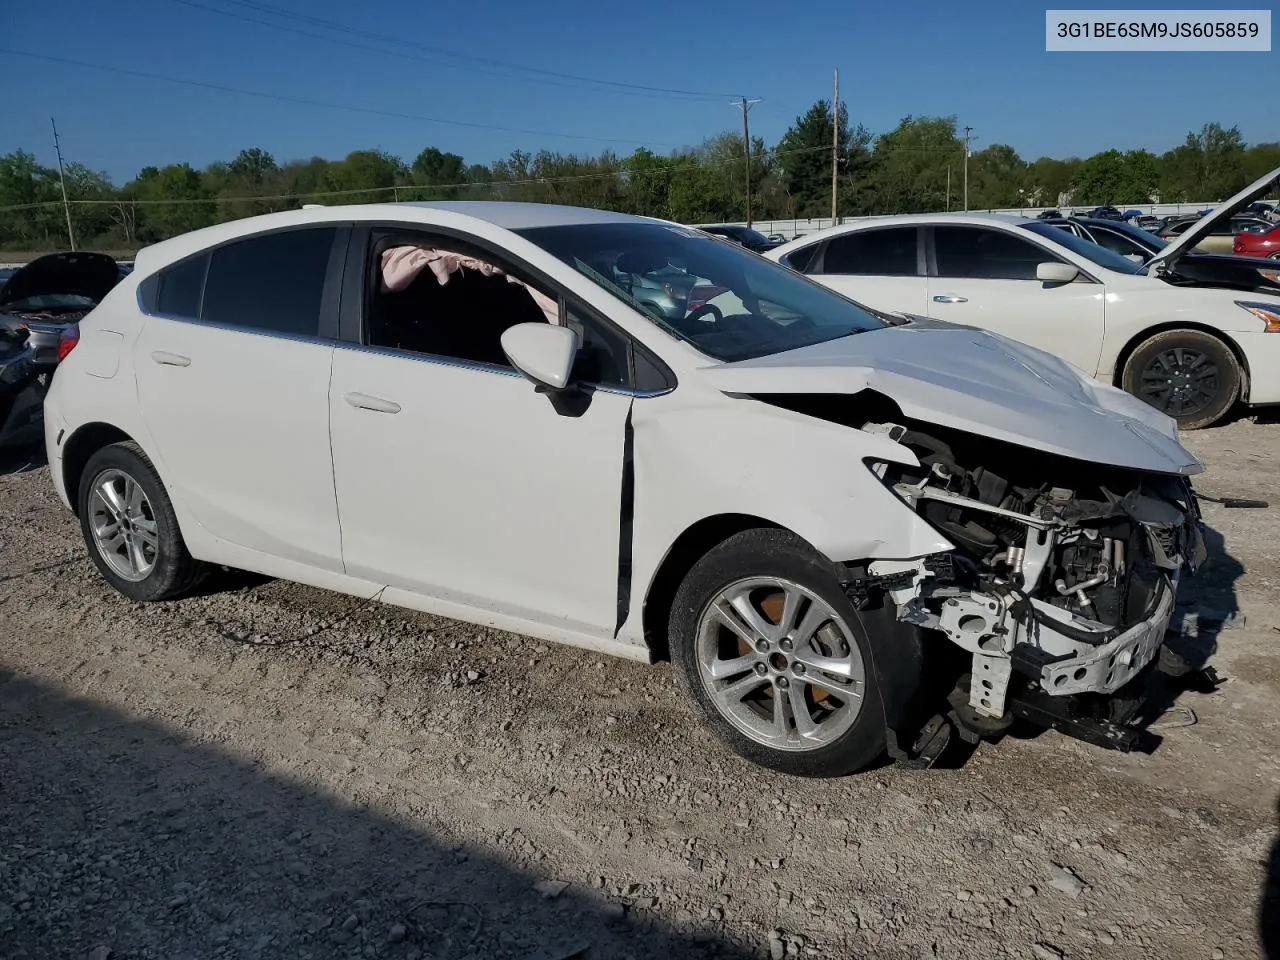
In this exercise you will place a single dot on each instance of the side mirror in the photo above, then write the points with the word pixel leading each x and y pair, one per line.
pixel 1056 272
pixel 543 352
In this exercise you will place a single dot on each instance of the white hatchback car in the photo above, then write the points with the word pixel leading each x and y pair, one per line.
pixel 780 491
pixel 1190 349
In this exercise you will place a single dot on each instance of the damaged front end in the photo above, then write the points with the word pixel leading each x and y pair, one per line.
pixel 1061 585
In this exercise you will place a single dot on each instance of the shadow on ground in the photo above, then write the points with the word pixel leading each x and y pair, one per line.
pixel 119 837
pixel 1207 604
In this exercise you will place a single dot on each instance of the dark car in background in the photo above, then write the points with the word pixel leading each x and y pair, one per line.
pixel 744 236
pixel 1215 269
pixel 45 299
pixel 22 389
pixel 1106 213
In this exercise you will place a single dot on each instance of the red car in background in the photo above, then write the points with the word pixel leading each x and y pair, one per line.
pixel 1261 244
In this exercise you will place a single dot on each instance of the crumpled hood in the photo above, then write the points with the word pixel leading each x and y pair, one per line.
pixel 979 382
pixel 78 274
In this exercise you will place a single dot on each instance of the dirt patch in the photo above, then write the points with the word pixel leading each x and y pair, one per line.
pixel 267 770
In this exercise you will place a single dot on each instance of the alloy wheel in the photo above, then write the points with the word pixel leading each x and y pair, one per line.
pixel 1180 381
pixel 780 664
pixel 124 525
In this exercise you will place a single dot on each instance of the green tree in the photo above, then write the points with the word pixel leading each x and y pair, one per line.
pixel 909 172
pixel 997 178
pixel 804 158
pixel 371 170
pixel 1049 181
pixel 648 183
pixel 440 171
pixel 177 202
pixel 24 184
pixel 1261 159
pixel 1209 165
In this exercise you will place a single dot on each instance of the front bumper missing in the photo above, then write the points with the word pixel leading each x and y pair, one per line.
pixel 1107 668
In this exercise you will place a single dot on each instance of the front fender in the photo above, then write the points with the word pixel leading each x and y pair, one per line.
pixel 806 475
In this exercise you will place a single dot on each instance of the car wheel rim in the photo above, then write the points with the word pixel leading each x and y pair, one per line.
pixel 780 664
pixel 1180 381
pixel 124 525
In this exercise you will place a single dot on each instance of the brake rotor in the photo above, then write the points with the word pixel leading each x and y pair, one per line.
pixel 772 607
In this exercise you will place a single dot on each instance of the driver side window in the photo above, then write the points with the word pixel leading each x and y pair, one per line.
pixel 985 254
pixel 441 296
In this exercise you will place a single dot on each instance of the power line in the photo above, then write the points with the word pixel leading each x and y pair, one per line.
pixel 348 31
pixel 321 103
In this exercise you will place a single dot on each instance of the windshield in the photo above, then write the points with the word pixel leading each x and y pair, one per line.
pixel 1085 248
pixel 729 303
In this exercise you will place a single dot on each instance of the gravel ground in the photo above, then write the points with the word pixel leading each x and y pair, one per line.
pixel 267 770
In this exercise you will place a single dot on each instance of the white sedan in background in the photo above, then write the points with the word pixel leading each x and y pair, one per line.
pixel 1189 349
pixel 780 492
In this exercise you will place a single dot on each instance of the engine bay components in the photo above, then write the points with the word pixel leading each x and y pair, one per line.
pixel 1064 573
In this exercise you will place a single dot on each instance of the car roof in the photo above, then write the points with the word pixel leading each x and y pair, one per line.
pixel 506 215
pixel 906 220
pixel 515 215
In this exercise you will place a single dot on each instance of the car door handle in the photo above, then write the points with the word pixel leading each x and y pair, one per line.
pixel 170 359
pixel 362 401
pixel 948 299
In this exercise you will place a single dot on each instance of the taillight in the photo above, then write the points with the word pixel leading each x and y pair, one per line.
pixel 67 341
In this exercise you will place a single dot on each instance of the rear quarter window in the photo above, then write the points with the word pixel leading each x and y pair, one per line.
pixel 177 290
pixel 801 259
pixel 274 282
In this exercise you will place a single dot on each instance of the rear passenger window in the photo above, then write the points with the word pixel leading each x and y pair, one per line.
pixel 875 253
pixel 179 288
pixel 273 282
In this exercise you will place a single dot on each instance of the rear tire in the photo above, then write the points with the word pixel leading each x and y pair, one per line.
pixel 790 685
pixel 130 528
pixel 1190 375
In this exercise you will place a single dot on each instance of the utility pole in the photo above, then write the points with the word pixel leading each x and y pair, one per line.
pixel 948 188
pixel 835 145
pixel 62 179
pixel 967 131
pixel 746 104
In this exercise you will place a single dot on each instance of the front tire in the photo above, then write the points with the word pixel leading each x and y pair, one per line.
pixel 1190 375
pixel 129 525
pixel 765 642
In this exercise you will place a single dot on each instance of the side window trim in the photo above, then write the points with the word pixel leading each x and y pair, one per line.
pixel 352 319
pixel 329 319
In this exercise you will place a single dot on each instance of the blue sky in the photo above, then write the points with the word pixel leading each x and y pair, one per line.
pixel 984 63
